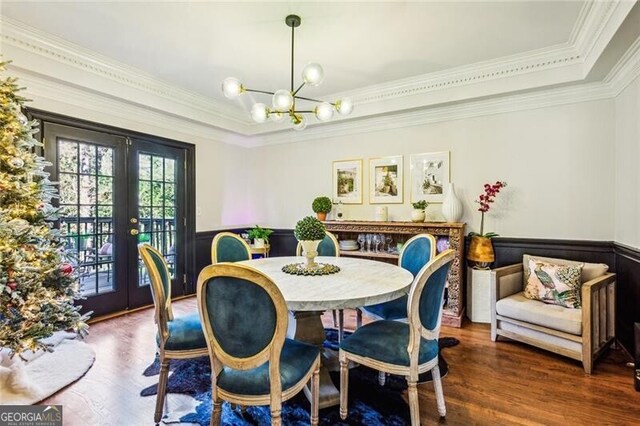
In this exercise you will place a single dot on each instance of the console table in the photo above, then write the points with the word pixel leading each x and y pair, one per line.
pixel 402 231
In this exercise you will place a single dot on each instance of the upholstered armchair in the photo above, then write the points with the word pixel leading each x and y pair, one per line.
pixel 178 337
pixel 404 349
pixel 582 333
pixel 329 247
pixel 229 247
pixel 245 316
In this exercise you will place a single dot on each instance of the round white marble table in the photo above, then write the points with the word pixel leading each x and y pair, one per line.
pixel 360 282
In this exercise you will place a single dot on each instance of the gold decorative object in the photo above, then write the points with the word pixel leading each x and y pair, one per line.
pixel 481 252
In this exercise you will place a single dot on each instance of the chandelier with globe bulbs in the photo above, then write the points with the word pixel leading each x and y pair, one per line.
pixel 283 101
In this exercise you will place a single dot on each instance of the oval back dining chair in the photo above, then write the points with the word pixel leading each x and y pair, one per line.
pixel 329 247
pixel 415 253
pixel 229 247
pixel 404 349
pixel 245 317
pixel 178 337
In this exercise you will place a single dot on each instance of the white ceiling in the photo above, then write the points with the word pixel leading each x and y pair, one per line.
pixel 193 46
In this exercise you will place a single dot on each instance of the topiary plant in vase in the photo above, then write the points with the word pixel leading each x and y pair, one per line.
pixel 310 231
pixel 321 206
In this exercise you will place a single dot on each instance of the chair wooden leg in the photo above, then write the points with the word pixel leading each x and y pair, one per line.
pixel 437 385
pixel 315 395
pixel 162 390
pixel 358 318
pixel 344 385
pixel 413 402
pixel 276 410
pixel 340 325
pixel 217 409
pixel 382 378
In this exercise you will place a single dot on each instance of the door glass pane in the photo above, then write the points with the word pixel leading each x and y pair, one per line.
pixel 156 209
pixel 86 216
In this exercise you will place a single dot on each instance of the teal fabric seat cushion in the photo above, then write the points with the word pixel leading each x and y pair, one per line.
pixel 387 341
pixel 296 360
pixel 393 310
pixel 185 333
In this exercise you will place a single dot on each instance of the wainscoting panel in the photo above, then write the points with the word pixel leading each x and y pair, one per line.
pixel 623 260
pixel 628 297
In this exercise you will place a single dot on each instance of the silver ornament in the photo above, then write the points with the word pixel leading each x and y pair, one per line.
pixel 16 162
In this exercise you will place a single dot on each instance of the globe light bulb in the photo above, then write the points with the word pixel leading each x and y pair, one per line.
pixel 344 106
pixel 299 122
pixel 259 113
pixel 313 74
pixel 276 116
pixel 231 87
pixel 324 111
pixel 282 100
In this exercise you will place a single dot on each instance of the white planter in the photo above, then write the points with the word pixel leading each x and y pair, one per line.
pixel 452 206
pixel 258 242
pixel 417 215
pixel 479 295
pixel 310 251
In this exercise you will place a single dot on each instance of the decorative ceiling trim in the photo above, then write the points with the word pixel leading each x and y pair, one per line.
pixel 625 70
pixel 594 27
pixel 80 103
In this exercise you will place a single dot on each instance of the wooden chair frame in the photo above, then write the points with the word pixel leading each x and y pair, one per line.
pixel 271 352
pixel 598 316
pixel 163 314
pixel 432 254
pixel 416 332
pixel 218 237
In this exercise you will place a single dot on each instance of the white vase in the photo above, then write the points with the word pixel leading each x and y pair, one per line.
pixel 452 206
pixel 258 242
pixel 310 251
pixel 418 215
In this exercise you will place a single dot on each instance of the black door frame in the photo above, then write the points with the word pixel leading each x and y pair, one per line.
pixel 189 174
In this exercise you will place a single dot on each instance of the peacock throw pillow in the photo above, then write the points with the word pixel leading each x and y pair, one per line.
pixel 554 284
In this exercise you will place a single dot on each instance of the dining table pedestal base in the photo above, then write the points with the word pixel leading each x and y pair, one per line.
pixel 309 329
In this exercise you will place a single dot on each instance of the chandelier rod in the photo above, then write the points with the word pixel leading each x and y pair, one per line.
pixel 293 31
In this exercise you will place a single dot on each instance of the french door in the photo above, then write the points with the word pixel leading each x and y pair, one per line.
pixel 115 194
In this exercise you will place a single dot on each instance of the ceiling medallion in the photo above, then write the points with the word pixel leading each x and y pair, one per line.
pixel 284 101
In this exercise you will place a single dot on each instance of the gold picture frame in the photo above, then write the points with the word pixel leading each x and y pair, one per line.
pixel 347 181
pixel 386 180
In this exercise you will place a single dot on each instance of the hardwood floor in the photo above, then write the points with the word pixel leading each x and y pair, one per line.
pixel 488 383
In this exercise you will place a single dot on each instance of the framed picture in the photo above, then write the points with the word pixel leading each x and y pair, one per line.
pixel 347 181
pixel 385 180
pixel 429 176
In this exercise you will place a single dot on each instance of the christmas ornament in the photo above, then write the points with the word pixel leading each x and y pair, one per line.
pixel 66 268
pixel 16 162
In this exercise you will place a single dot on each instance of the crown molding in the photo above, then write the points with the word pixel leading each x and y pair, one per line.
pixel 625 70
pixel 70 63
pixel 78 102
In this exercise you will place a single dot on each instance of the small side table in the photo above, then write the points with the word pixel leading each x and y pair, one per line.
pixel 264 251
pixel 479 295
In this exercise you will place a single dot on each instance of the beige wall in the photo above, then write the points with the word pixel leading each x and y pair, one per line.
pixel 558 162
pixel 627 174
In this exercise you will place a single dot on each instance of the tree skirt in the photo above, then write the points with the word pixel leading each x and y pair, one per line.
pixel 44 373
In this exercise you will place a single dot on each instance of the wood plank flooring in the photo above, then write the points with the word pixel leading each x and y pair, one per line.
pixel 501 383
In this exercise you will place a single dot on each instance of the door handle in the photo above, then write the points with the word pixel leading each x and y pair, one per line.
pixel 134 232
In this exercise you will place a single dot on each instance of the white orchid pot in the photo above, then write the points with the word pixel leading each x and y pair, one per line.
pixel 310 251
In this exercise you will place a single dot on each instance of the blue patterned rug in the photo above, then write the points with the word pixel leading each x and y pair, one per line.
pixel 369 403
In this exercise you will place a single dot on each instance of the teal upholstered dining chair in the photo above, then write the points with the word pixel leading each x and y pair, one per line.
pixel 405 349
pixel 415 253
pixel 329 247
pixel 245 317
pixel 229 247
pixel 178 337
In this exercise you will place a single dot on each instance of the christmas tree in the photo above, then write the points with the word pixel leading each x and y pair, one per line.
pixel 37 283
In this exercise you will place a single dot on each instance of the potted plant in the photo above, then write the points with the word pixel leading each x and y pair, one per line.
pixel 418 214
pixel 309 231
pixel 321 206
pixel 480 248
pixel 259 235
